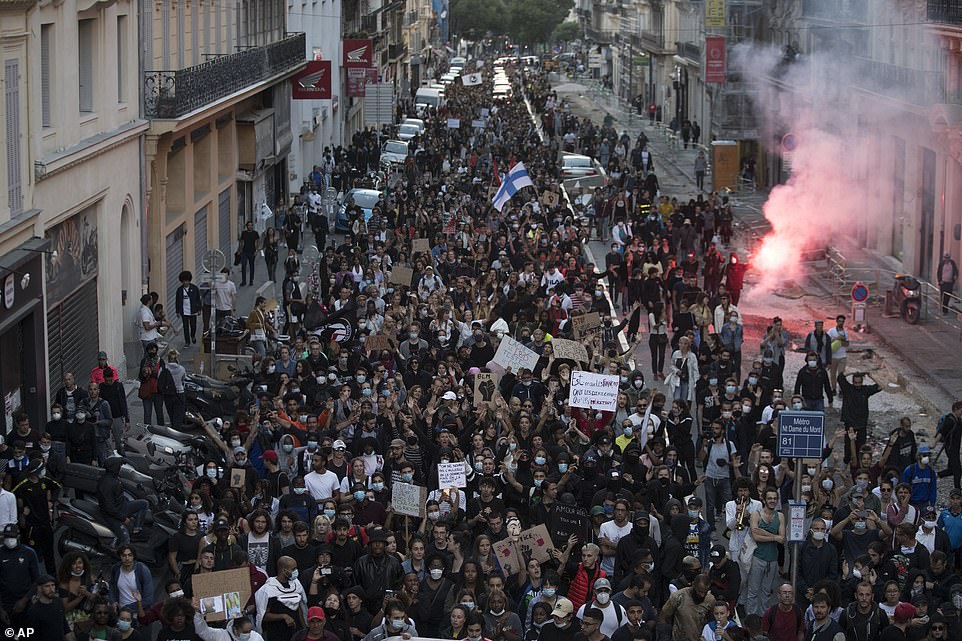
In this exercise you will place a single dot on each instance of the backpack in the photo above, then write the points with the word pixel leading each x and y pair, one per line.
pixel 165 383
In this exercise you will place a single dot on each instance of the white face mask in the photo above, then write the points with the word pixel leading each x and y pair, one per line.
pixel 56 416
pixel 436 573
pixel 925 460
pixel 176 594
pixel 603 597
pixel 10 543
pixel 929 524
pixel 818 536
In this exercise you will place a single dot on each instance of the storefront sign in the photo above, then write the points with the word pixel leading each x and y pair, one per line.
pixel 715 11
pixel 357 80
pixel 358 53
pixel 314 82
pixel 715 59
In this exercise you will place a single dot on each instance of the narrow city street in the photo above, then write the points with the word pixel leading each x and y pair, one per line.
pixel 906 390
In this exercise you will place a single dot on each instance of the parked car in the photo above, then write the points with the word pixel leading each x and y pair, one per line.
pixel 366 199
pixel 408 130
pixel 578 166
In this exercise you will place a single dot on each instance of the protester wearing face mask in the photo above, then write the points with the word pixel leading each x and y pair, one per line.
pixel 396 623
pixel 280 602
pixel 613 613
pixel 813 384
pixel 922 479
pixel 818 557
pixel 562 625
pixel 856 531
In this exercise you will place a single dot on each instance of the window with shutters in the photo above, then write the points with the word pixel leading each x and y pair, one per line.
pixel 11 84
pixel 121 58
pixel 85 61
pixel 46 82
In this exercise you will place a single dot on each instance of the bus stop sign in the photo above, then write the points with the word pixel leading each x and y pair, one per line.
pixel 801 434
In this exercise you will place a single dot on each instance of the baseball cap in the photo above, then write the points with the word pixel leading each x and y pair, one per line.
pixel 602 584
pixel 338 445
pixel 694 500
pixel 44 579
pixel 717 551
pixel 397 442
pixel 596 510
pixel 11 529
pixel 221 524
pixel 101 356
pixel 239 450
pixel 270 455
pixel 562 608
pixel 315 613
pixel 924 449
pixel 904 612
pixel 450 396
pixel 604 440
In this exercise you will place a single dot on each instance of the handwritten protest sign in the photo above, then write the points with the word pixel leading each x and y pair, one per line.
pixel 565 520
pixel 586 325
pixel 508 556
pixel 485 386
pixel 220 592
pixel 401 275
pixel 549 198
pixel 569 349
pixel 451 475
pixel 408 499
pixel 378 342
pixel 594 391
pixel 535 543
pixel 513 354
pixel 420 245
pixel 454 123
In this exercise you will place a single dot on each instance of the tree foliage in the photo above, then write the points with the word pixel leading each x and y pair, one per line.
pixel 533 21
pixel 566 31
pixel 475 18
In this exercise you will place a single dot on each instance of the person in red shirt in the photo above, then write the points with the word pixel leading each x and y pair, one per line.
pixel 315 627
pixel 784 621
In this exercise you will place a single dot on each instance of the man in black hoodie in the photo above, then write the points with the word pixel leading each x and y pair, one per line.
pixel 626 552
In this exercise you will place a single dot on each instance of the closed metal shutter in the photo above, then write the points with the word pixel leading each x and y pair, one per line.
pixel 223 222
pixel 73 336
pixel 200 238
pixel 175 264
pixel 11 80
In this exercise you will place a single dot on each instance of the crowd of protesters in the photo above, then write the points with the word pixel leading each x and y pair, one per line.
pixel 682 499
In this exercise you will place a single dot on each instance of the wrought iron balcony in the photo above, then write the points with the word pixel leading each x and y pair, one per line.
pixel 689 50
pixel 914 86
pixel 172 94
pixel 945 11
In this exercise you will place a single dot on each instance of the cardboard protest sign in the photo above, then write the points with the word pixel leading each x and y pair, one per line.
pixel 549 198
pixel 565 520
pixel 477 124
pixel 569 349
pixel 452 475
pixel 420 245
pixel 513 354
pixel 378 342
pixel 408 499
pixel 594 391
pixel 238 476
pixel 535 543
pixel 586 325
pixel 485 386
pixel 401 275
pixel 454 123
pixel 222 593
pixel 508 556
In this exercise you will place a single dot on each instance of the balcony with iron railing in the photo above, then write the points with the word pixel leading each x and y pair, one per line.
pixel 945 11
pixel 172 94
pixel 914 86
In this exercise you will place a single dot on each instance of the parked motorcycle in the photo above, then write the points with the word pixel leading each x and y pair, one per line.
pixel 211 398
pixel 81 526
pixel 908 297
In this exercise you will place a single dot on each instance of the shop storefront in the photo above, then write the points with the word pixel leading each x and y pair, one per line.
pixel 23 377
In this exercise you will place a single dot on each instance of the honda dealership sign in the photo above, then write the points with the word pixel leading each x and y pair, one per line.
pixel 358 53
pixel 314 83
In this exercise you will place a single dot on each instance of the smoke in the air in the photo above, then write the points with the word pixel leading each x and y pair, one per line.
pixel 838 173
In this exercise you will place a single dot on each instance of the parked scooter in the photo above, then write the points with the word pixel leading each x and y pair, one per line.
pixel 908 297
pixel 211 398
pixel 81 526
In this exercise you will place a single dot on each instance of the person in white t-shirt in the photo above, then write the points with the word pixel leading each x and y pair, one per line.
pixel 839 336
pixel 322 484
pixel 611 532
pixel 148 323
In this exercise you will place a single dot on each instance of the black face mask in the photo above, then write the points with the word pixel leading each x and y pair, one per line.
pixel 664 482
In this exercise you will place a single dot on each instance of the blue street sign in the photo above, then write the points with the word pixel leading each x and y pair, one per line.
pixel 801 434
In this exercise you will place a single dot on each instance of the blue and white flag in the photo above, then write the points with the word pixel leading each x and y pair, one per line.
pixel 516 179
